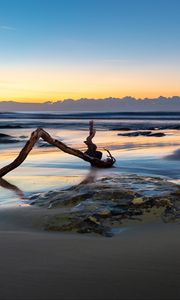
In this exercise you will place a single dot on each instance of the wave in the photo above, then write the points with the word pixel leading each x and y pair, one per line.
pixel 79 120
pixel 91 115
pixel 115 126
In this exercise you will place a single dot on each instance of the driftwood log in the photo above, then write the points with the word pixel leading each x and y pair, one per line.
pixel 40 133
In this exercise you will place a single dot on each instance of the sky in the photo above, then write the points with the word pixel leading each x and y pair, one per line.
pixel 60 49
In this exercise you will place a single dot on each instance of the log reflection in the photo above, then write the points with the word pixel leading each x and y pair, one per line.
pixel 9 186
pixel 90 177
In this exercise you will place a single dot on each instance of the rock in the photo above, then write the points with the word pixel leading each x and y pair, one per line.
pixel 104 213
pixel 7 139
pixel 136 133
pixel 142 133
pixel 96 207
pixel 93 220
pixel 79 224
pixel 171 214
pixel 121 129
pixel 105 231
pixel 2 135
pixel 45 145
pixel 117 210
pixel 157 134
pixel 164 202
pixel 137 201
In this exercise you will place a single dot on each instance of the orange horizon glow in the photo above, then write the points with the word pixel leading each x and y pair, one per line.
pixel 55 50
pixel 38 85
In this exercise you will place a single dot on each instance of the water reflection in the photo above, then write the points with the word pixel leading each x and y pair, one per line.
pixel 9 186
pixel 48 169
pixel 91 177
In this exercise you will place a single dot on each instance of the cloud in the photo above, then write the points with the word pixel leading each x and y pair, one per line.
pixel 6 28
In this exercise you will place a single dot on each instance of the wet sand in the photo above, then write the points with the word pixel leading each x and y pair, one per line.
pixel 140 263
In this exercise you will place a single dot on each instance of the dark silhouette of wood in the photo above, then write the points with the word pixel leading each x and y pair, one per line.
pixel 40 133
pixel 92 148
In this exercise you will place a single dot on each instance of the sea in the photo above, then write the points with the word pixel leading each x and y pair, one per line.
pixel 143 143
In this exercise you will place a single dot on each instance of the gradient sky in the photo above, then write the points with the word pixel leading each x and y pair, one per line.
pixel 59 49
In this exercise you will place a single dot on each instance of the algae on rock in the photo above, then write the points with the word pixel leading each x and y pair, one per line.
pixel 100 206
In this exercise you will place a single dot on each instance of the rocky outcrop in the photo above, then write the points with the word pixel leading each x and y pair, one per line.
pixel 102 206
pixel 143 133
pixel 7 139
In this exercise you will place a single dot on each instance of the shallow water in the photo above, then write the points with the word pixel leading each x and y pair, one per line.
pixel 48 168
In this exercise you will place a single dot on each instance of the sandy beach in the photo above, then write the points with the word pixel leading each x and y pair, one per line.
pixel 142 262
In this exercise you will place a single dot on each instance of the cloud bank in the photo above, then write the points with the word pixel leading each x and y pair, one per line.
pixel 126 104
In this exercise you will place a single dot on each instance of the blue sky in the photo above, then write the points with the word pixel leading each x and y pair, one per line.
pixel 91 36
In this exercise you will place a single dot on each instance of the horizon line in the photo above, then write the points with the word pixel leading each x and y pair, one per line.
pixel 84 98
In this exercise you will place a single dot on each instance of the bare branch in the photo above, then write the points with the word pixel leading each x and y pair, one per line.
pixel 40 133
